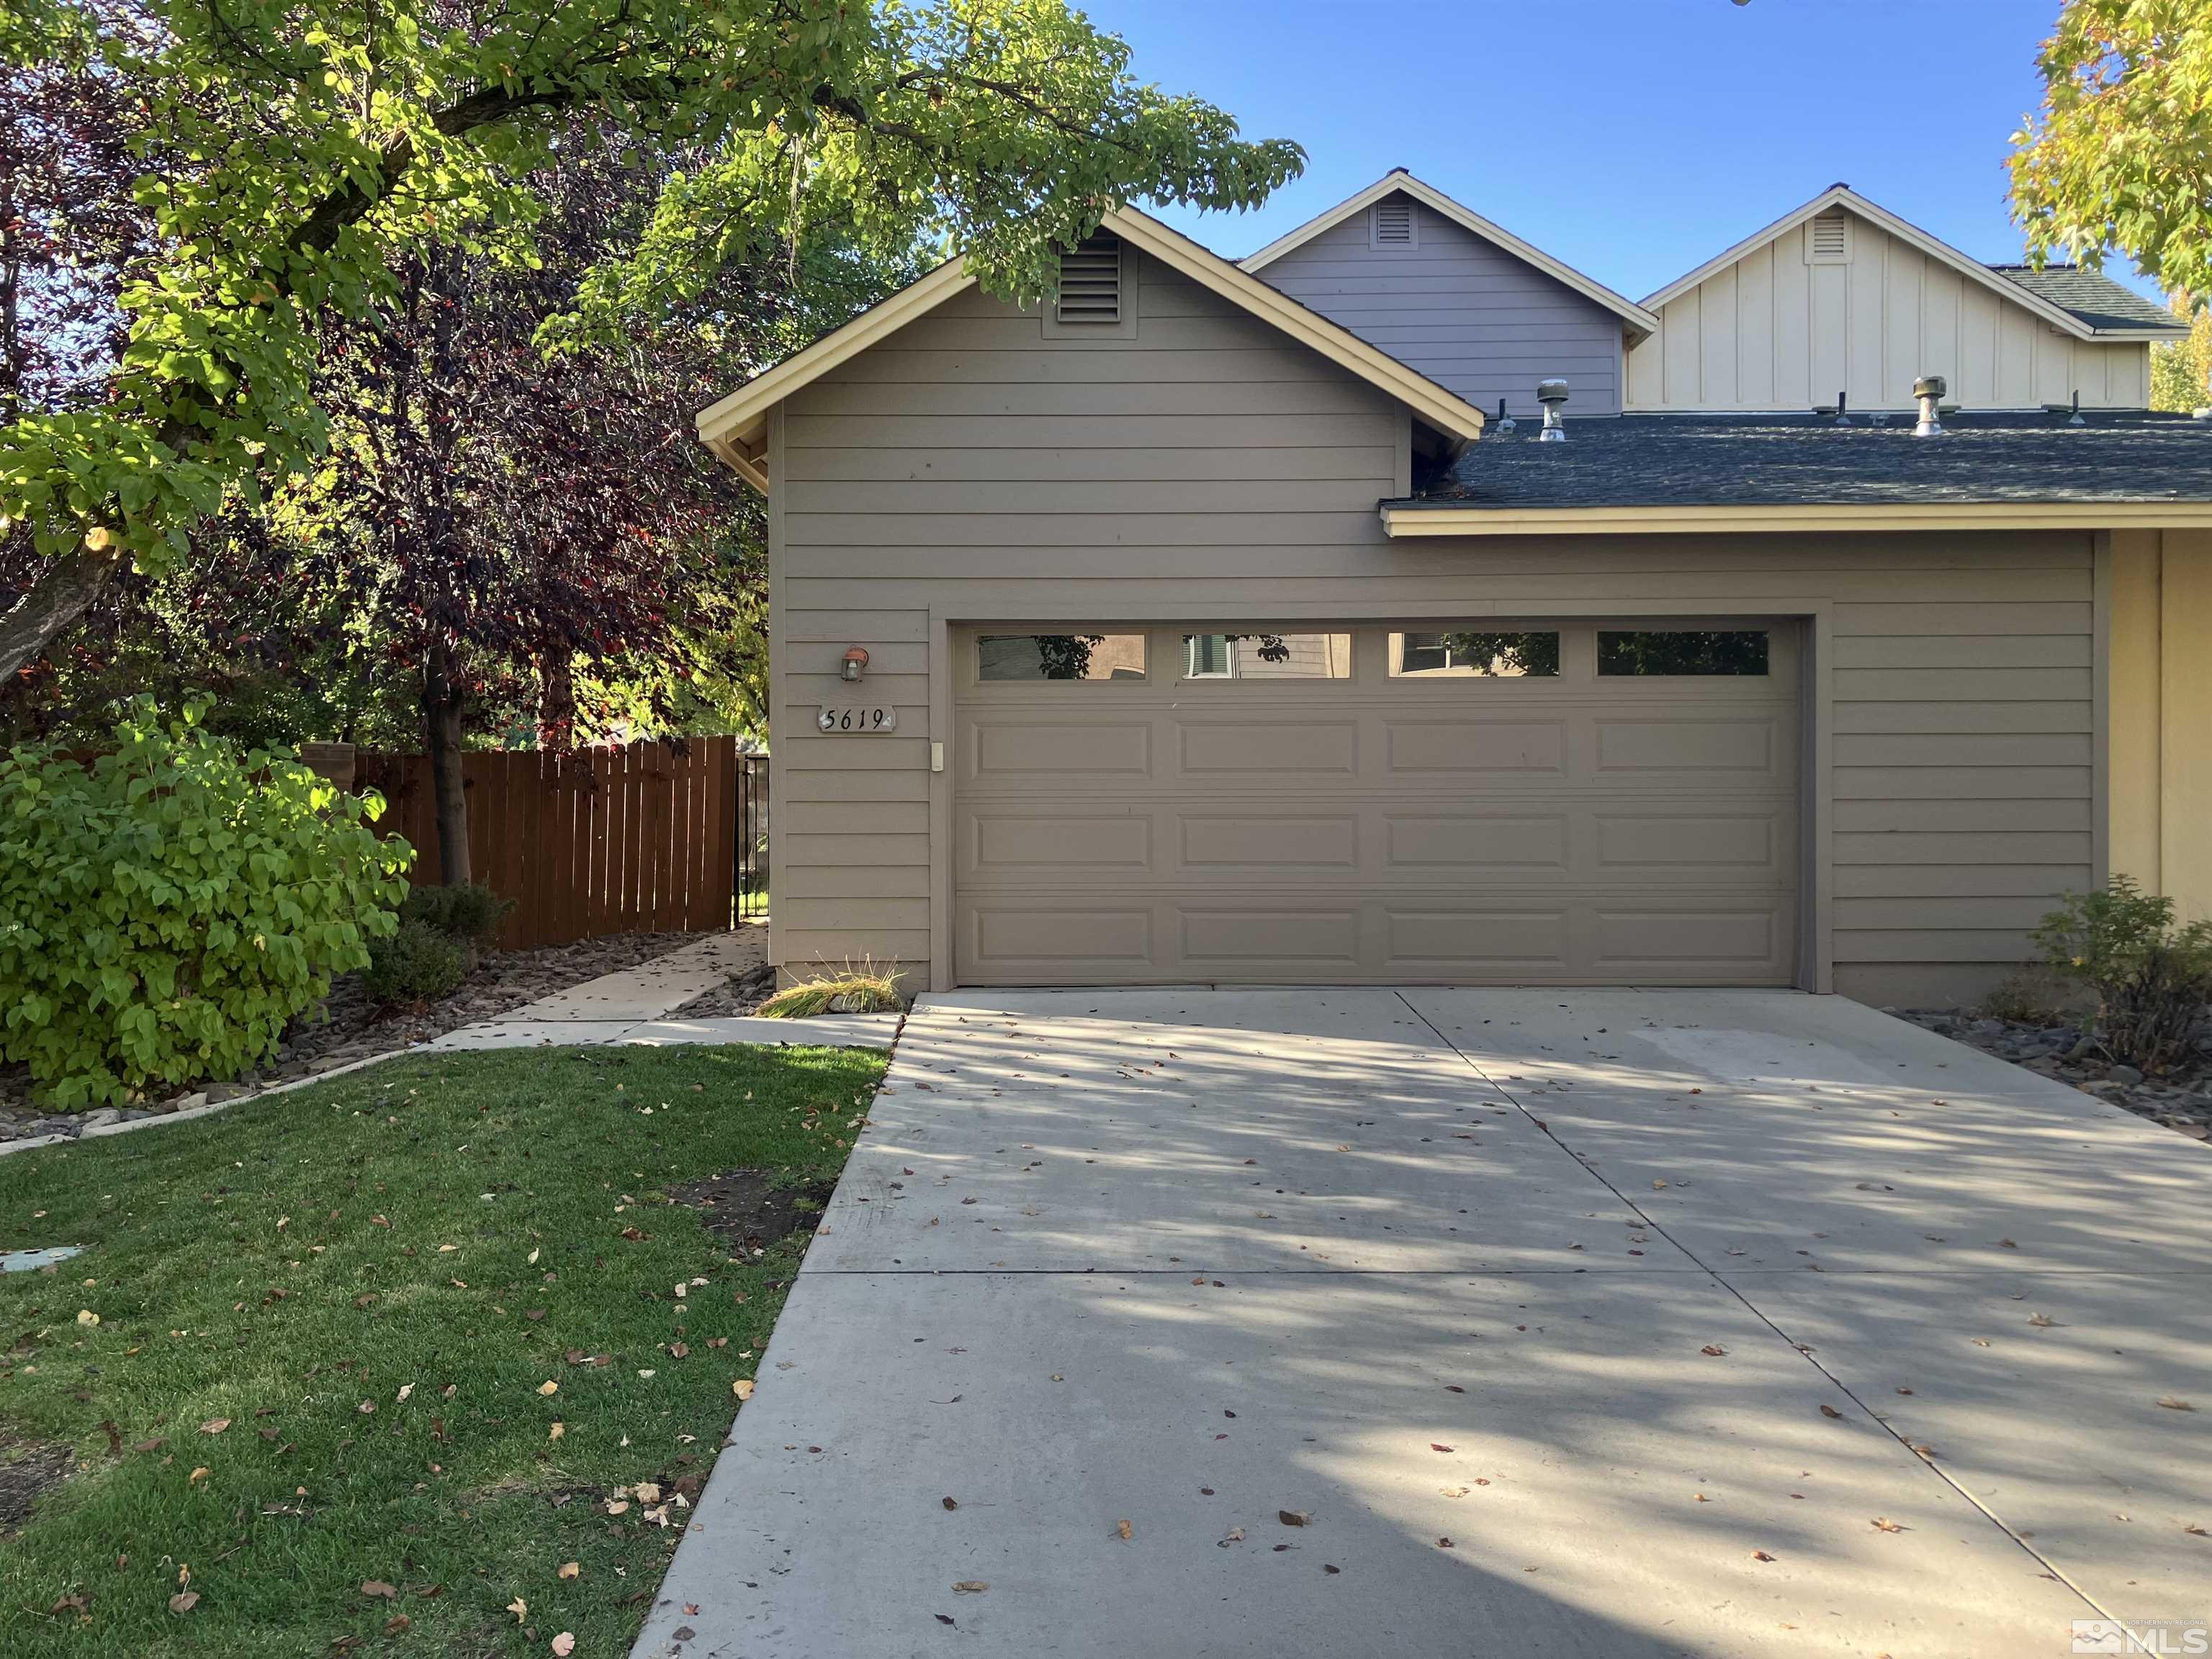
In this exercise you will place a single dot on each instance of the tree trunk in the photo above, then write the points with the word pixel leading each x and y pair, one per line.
pixel 441 733
pixel 58 598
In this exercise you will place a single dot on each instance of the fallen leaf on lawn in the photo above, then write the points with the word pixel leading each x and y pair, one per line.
pixel 2174 1403
pixel 1293 1517
pixel 149 1445
pixel 367 1407
pixel 519 1609
pixel 614 1506
pixel 381 1591
pixel 568 1570
pixel 548 1386
pixel 742 1388
pixel 86 1316
pixel 648 1491
pixel 200 1473
pixel 971 1587
pixel 398 1624
pixel 563 1645
pixel 678 1351
pixel 184 1600
pixel 1123 1529
pixel 405 1388
pixel 556 1430
pixel 215 1426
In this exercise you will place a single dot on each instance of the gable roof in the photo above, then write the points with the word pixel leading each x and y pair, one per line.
pixel 1638 319
pixel 2079 325
pixel 2096 300
pixel 735 427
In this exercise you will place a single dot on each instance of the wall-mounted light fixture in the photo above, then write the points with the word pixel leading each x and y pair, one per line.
pixel 856 661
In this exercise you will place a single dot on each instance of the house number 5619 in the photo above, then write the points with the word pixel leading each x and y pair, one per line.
pixel 857 719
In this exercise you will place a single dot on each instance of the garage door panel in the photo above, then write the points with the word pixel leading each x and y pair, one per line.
pixel 1002 840
pixel 1751 745
pixel 1263 941
pixel 1469 747
pixel 1270 842
pixel 1422 941
pixel 1419 844
pixel 1568 830
pixel 1011 748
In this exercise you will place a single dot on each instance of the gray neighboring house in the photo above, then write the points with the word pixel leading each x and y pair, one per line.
pixel 1216 631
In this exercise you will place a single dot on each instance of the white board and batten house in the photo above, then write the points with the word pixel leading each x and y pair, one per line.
pixel 1217 630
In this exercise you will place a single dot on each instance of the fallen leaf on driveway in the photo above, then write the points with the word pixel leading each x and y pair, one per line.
pixel 1438 1446
pixel 1760 1555
pixel 1713 1349
pixel 951 1504
pixel 1123 1530
pixel 1827 1410
pixel 2042 1320
pixel 971 1587
pixel 1883 1523
pixel 2173 1404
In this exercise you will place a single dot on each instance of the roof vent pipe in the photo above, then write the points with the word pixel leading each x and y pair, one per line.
pixel 1930 390
pixel 2077 420
pixel 1842 409
pixel 1552 394
pixel 1505 422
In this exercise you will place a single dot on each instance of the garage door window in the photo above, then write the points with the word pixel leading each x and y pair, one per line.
pixel 1266 656
pixel 1462 655
pixel 1682 652
pixel 1060 657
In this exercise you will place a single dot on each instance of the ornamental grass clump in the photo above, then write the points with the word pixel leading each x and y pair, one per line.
pixel 167 908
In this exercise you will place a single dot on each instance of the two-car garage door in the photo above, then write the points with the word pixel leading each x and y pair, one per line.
pixel 1522 803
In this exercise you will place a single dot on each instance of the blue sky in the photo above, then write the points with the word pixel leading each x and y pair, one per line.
pixel 1680 126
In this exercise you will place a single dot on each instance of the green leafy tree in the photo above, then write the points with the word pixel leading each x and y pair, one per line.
pixel 308 148
pixel 2181 370
pixel 2120 153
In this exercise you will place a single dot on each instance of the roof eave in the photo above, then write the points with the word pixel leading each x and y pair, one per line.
pixel 1402 519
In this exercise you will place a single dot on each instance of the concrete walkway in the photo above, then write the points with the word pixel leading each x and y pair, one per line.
pixel 1267 1323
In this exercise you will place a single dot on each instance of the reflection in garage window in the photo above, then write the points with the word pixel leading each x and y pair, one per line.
pixel 1266 656
pixel 1060 657
pixel 1684 651
pixel 1509 655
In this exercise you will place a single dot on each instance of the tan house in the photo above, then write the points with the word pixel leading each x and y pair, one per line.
pixel 1208 624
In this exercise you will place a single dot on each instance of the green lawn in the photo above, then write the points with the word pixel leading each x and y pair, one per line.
pixel 438 1302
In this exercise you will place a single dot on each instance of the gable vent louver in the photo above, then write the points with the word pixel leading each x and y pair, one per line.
pixel 1394 223
pixel 1828 239
pixel 1090 280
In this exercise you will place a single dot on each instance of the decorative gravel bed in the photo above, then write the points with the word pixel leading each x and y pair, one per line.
pixel 2181 1100
pixel 349 1028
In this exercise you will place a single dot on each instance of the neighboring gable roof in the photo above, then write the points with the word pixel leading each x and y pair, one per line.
pixel 1638 319
pixel 735 427
pixel 2060 316
pixel 2098 301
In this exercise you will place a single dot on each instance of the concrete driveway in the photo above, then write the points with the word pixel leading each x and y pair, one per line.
pixel 1611 1322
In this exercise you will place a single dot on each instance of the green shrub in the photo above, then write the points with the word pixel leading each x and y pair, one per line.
pixel 2035 996
pixel 468 911
pixel 2151 975
pixel 418 963
pixel 167 908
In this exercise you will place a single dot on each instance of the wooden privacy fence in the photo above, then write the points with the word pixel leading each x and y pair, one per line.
pixel 642 838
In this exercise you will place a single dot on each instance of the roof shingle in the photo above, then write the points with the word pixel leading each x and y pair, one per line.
pixel 2093 297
